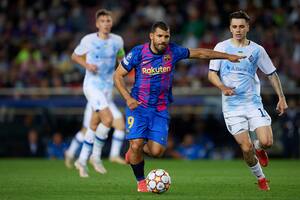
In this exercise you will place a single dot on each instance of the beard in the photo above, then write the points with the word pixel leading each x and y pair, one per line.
pixel 160 48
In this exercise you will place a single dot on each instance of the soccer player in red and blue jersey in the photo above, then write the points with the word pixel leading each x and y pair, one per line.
pixel 147 117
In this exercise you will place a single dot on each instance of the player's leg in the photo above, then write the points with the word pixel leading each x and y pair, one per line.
pixel 76 143
pixel 158 134
pixel 81 163
pixel 137 163
pixel 238 125
pixel 155 149
pixel 264 141
pixel 101 134
pixel 136 128
pixel 260 122
pixel 101 127
pixel 246 145
pixel 118 135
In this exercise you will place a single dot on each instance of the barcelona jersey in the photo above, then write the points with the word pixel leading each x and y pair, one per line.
pixel 154 74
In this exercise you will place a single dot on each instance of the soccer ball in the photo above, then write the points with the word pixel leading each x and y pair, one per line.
pixel 158 181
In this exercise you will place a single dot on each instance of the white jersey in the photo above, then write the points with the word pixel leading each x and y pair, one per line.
pixel 242 76
pixel 102 53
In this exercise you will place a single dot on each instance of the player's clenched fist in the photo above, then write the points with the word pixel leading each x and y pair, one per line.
pixel 227 91
pixel 91 68
pixel 132 103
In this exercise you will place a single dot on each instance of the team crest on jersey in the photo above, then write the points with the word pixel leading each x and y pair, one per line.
pixel 167 57
pixel 251 59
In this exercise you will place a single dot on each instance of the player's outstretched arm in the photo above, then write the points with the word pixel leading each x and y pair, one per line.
pixel 276 84
pixel 81 61
pixel 211 54
pixel 119 75
pixel 213 77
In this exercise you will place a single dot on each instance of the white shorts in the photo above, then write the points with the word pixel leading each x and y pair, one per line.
pixel 98 99
pixel 240 121
pixel 97 103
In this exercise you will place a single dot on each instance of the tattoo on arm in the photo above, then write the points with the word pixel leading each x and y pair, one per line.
pixel 276 84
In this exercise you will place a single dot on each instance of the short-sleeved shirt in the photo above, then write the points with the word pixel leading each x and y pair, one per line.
pixel 153 74
pixel 103 54
pixel 242 76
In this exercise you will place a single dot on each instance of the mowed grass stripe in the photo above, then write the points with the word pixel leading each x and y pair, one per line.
pixel 46 179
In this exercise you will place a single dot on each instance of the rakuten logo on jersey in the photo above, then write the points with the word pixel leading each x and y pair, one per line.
pixel 155 71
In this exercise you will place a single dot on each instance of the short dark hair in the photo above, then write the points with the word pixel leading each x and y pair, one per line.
pixel 239 15
pixel 160 24
pixel 102 12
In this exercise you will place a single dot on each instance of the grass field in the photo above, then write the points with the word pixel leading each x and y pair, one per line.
pixel 44 179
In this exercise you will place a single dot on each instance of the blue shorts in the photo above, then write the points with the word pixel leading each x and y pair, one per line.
pixel 147 123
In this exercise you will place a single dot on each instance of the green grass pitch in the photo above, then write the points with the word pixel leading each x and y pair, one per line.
pixel 232 180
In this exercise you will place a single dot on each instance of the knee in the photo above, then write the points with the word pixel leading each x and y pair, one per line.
pixel 247 148
pixel 107 121
pixel 157 152
pixel 266 144
pixel 136 147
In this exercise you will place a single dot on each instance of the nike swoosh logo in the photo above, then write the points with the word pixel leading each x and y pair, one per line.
pixel 145 62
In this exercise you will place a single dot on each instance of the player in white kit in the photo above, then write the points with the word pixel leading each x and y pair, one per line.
pixel 241 101
pixel 78 139
pixel 97 53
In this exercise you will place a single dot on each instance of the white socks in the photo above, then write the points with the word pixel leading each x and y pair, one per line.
pixel 117 142
pixel 257 171
pixel 75 144
pixel 94 142
pixel 257 144
pixel 101 136
pixel 87 146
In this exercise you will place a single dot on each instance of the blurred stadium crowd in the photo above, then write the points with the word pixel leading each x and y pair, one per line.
pixel 38 37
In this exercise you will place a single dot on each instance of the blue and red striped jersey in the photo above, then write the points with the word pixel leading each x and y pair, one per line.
pixel 153 73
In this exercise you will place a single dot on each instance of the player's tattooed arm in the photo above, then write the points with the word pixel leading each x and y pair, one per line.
pixel 276 84
pixel 211 54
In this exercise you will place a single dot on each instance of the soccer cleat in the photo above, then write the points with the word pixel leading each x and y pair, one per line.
pixel 98 165
pixel 127 155
pixel 68 160
pixel 117 159
pixel 142 186
pixel 263 184
pixel 262 157
pixel 83 170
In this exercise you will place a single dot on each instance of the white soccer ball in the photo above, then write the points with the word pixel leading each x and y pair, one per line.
pixel 158 181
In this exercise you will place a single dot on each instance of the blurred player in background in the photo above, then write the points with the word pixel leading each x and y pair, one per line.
pixel 242 105
pixel 101 50
pixel 78 139
pixel 147 117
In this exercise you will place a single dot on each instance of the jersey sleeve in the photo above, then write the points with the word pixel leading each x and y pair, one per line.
pixel 215 64
pixel 83 47
pixel 120 42
pixel 264 62
pixel 131 60
pixel 179 52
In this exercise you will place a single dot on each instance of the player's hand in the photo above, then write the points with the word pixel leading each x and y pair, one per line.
pixel 227 91
pixel 235 58
pixel 91 68
pixel 132 103
pixel 281 106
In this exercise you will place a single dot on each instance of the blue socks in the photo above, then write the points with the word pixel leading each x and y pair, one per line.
pixel 138 171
